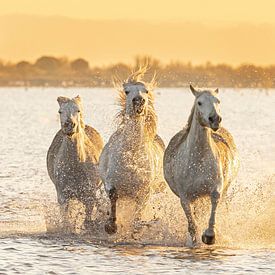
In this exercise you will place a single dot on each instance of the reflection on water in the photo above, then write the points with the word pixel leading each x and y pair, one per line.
pixel 56 256
pixel 32 236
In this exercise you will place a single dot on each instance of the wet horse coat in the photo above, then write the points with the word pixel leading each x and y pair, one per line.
pixel 201 160
pixel 73 156
pixel 132 159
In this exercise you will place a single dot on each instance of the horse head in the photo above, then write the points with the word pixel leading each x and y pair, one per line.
pixel 71 115
pixel 207 106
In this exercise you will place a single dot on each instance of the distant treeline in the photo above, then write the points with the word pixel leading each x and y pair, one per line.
pixel 52 71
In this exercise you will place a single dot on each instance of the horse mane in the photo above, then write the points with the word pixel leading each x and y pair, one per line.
pixel 190 119
pixel 80 137
pixel 150 117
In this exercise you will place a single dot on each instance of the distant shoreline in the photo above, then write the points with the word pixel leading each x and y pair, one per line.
pixel 49 71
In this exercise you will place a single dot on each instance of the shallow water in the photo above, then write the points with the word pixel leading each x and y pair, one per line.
pixel 60 256
pixel 31 234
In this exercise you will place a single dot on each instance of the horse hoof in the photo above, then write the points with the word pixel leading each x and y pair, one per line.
pixel 111 227
pixel 208 239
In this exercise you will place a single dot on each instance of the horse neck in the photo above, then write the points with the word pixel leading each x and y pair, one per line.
pixel 134 131
pixel 199 138
pixel 76 144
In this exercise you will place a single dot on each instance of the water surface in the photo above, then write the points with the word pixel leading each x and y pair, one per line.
pixel 31 236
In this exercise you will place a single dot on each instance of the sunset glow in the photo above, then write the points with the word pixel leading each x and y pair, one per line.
pixel 105 32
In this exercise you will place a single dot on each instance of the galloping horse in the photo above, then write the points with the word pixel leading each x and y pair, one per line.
pixel 201 160
pixel 133 157
pixel 73 156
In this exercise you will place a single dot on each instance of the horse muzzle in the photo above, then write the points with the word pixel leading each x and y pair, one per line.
pixel 215 127
pixel 68 128
pixel 138 104
pixel 215 122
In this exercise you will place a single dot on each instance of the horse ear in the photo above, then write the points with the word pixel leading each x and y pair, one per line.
pixel 62 99
pixel 77 99
pixel 216 91
pixel 194 91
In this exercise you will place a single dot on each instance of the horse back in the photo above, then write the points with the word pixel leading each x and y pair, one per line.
pixel 173 145
pixel 94 137
pixel 169 156
pixel 52 152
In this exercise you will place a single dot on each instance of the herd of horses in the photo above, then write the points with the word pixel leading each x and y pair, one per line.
pixel 200 160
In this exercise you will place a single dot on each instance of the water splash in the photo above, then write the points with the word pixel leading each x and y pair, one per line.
pixel 244 219
pixel 28 200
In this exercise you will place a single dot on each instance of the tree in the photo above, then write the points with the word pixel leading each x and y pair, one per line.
pixel 80 65
pixel 48 63
pixel 23 66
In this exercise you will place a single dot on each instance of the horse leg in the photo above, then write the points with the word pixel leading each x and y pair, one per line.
pixel 65 216
pixel 89 206
pixel 192 228
pixel 110 226
pixel 140 202
pixel 208 236
pixel 138 224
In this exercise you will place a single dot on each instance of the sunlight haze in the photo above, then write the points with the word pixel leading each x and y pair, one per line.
pixel 178 10
pixel 105 32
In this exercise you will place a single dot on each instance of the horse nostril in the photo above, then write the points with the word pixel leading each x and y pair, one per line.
pixel 220 119
pixel 69 123
pixel 138 99
pixel 211 119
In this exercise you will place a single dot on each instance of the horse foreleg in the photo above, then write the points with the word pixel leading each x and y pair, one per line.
pixel 138 225
pixel 110 226
pixel 66 217
pixel 140 201
pixel 192 228
pixel 208 236
pixel 89 206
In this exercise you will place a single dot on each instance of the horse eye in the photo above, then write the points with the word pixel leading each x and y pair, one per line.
pixel 59 112
pixel 78 111
pixel 146 91
pixel 126 92
pixel 199 103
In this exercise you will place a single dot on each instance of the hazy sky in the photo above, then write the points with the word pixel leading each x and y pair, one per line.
pixel 104 32
pixel 255 11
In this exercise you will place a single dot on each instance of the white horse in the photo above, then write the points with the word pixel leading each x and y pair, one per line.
pixel 73 156
pixel 133 157
pixel 201 160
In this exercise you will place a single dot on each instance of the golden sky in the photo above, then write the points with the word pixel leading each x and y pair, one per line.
pixel 103 32
pixel 256 11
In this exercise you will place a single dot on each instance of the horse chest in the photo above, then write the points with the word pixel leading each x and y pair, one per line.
pixel 131 169
pixel 68 170
pixel 134 162
pixel 131 156
pixel 197 174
